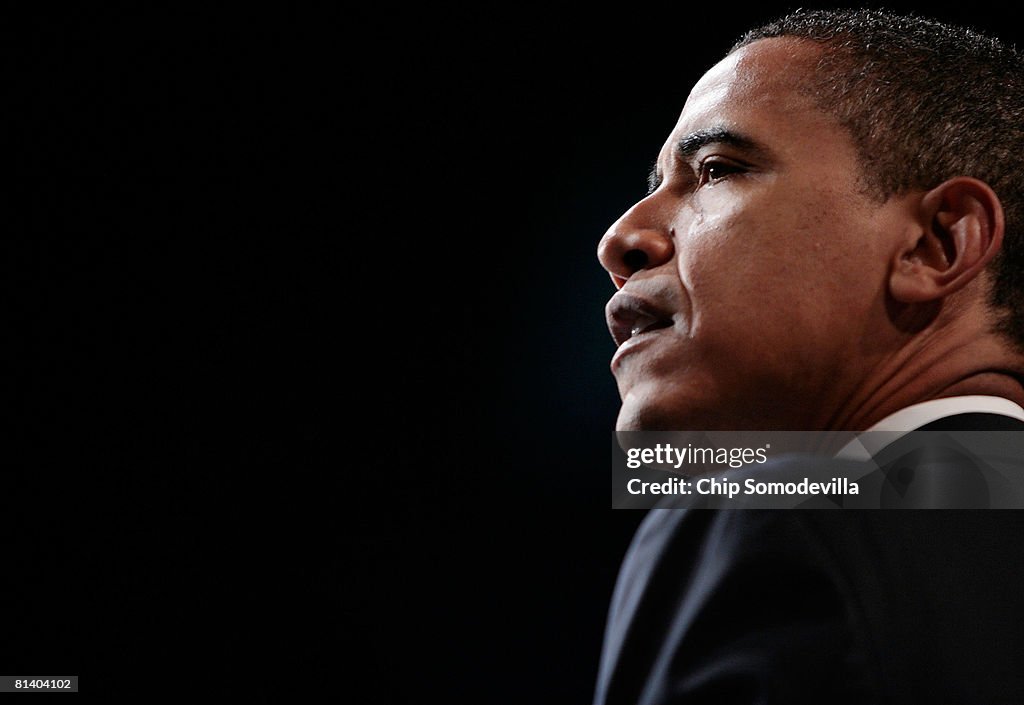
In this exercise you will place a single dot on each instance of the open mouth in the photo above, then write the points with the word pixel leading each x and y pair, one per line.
pixel 646 325
pixel 630 316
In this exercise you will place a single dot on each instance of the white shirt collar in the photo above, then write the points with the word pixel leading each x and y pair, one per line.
pixel 907 419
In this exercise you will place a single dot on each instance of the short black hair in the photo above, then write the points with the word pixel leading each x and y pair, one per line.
pixel 926 101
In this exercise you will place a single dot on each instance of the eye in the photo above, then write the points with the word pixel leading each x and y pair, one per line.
pixel 715 169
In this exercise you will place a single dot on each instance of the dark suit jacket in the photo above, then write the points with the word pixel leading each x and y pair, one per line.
pixel 821 606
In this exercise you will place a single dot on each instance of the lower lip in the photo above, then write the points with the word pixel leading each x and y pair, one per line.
pixel 633 344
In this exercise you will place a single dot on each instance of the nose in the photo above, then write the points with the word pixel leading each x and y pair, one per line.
pixel 631 245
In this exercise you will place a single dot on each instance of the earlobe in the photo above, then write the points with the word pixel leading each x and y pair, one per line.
pixel 959 231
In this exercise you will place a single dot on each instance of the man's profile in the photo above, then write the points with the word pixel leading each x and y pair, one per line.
pixel 833 240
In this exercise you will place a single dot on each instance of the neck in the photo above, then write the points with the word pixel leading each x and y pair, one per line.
pixel 936 366
pixel 996 384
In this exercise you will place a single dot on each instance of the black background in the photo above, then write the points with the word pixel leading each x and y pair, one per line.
pixel 310 392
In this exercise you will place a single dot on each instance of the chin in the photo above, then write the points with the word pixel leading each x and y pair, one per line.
pixel 680 412
pixel 636 416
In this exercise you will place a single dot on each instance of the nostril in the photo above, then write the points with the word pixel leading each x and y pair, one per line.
pixel 635 260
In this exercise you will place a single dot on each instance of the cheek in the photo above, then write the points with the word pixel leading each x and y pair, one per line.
pixel 755 271
pixel 765 236
pixel 727 251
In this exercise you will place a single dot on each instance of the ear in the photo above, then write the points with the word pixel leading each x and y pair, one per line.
pixel 960 230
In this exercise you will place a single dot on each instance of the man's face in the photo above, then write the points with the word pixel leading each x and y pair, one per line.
pixel 753 278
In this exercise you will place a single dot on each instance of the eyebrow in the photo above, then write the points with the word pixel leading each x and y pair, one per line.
pixel 689 144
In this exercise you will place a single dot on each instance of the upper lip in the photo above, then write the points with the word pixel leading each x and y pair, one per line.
pixel 629 315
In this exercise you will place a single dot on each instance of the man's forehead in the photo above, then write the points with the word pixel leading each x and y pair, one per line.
pixel 765 76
